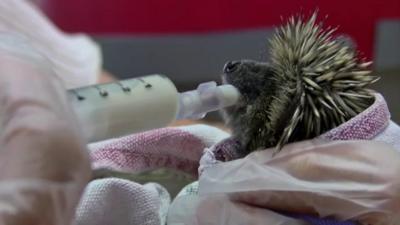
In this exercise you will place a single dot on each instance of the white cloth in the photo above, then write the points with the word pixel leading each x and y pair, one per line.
pixel 390 135
pixel 115 201
pixel 122 202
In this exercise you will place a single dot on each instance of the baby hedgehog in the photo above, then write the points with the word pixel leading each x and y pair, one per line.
pixel 311 84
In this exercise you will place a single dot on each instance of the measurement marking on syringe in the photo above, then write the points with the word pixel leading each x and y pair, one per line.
pixel 124 88
pixel 103 93
pixel 147 85
pixel 78 96
pixel 127 87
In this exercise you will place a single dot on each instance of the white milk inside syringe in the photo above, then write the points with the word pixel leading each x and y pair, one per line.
pixel 134 105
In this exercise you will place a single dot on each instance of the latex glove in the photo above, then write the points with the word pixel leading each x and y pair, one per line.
pixel 348 180
pixel 44 165
pixel 221 210
pixel 76 59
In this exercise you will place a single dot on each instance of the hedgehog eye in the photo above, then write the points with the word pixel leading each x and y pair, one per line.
pixel 231 66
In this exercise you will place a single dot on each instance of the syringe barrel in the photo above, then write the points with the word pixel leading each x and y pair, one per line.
pixel 121 108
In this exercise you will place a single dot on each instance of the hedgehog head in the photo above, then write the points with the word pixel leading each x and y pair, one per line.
pixel 250 77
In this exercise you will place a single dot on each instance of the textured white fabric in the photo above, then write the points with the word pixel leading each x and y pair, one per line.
pixel 122 202
pixel 391 135
pixel 117 201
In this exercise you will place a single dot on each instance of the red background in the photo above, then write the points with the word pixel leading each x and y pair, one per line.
pixel 356 18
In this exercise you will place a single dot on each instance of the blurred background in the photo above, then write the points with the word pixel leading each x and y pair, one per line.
pixel 189 41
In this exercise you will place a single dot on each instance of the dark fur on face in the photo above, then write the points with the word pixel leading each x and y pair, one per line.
pixel 252 122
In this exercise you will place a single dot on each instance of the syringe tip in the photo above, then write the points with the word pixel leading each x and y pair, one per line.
pixel 206 98
pixel 230 95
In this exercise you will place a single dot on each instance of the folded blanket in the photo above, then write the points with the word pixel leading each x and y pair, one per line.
pixel 181 148
pixel 123 202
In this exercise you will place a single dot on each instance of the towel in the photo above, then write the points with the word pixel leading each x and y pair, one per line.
pixel 117 201
pixel 120 202
pixel 124 202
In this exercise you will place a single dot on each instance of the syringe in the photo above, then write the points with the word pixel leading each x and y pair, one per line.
pixel 120 108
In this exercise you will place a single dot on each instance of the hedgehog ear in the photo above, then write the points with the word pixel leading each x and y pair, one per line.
pixel 268 73
pixel 346 40
pixel 266 69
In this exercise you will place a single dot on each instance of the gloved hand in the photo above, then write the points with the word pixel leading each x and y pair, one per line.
pixel 348 180
pixel 44 162
pixel 76 59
